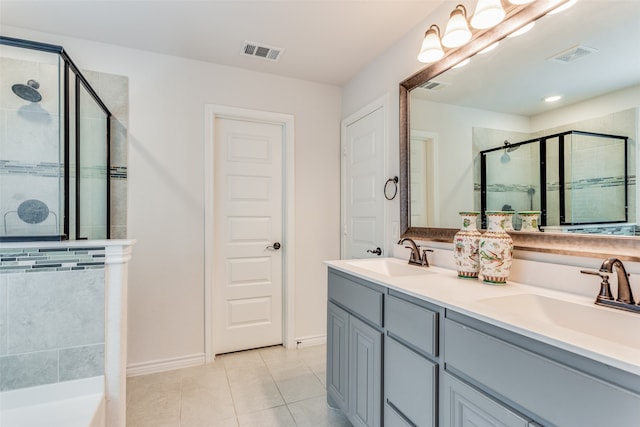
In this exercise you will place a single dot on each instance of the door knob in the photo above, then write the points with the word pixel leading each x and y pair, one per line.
pixel 376 251
pixel 275 246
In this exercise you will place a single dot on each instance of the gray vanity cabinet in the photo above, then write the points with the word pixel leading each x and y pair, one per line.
pixel 442 368
pixel 465 406
pixel 354 348
pixel 410 362
pixel 546 384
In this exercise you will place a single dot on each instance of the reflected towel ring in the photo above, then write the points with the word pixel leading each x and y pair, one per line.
pixel 394 180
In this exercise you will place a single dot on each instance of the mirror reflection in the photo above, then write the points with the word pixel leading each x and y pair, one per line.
pixel 538 156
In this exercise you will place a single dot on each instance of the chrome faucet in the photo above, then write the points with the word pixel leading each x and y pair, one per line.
pixel 625 296
pixel 416 258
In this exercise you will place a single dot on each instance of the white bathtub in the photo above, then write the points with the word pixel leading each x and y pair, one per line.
pixel 78 403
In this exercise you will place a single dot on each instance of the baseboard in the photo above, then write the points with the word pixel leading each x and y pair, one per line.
pixel 155 366
pixel 311 341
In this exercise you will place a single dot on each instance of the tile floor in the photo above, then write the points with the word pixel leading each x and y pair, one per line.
pixel 264 387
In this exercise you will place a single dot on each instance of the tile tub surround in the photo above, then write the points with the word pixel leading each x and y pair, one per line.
pixel 75 321
pixel 52 321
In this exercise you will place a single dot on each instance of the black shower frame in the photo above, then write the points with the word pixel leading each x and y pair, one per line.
pixel 80 80
pixel 561 174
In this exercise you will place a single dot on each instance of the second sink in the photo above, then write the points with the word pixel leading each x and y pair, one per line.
pixel 604 323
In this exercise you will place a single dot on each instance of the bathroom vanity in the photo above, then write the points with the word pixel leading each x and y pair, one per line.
pixel 410 345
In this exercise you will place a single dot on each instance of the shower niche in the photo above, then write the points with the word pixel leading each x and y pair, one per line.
pixel 54 147
pixel 560 175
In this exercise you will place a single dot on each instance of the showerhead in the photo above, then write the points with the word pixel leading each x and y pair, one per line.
pixel 28 92
pixel 509 147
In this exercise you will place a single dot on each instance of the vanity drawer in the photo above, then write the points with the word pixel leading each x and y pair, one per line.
pixel 555 392
pixel 409 322
pixel 358 296
pixel 410 383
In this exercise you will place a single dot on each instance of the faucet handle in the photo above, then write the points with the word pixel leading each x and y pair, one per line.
pixel 425 261
pixel 605 288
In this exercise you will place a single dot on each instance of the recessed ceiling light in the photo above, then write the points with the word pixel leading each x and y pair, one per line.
pixel 553 98
pixel 563 7
pixel 462 63
pixel 490 48
pixel 522 30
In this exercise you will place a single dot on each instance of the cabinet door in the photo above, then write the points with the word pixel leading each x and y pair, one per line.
pixel 337 353
pixel 410 383
pixel 466 407
pixel 365 374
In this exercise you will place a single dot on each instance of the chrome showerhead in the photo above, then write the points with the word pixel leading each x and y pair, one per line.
pixel 28 92
pixel 510 147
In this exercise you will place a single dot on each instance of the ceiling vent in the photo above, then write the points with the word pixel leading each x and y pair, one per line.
pixel 261 51
pixel 433 85
pixel 573 54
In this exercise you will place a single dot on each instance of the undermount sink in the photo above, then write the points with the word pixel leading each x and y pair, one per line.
pixel 605 323
pixel 389 267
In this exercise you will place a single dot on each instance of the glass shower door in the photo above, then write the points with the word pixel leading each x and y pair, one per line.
pixel 92 155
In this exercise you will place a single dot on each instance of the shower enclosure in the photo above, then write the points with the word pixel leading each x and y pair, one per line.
pixel 560 175
pixel 54 147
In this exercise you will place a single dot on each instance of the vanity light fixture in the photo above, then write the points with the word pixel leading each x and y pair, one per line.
pixel 488 13
pixel 431 50
pixel 457 31
pixel 553 98
pixel 522 30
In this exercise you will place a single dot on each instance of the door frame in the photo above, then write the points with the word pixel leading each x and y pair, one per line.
pixel 433 165
pixel 211 112
pixel 380 103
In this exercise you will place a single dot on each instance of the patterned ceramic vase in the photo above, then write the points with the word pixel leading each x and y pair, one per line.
pixel 508 225
pixel 465 246
pixel 529 220
pixel 496 248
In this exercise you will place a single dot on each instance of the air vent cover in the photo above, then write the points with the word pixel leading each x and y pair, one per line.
pixel 573 54
pixel 433 85
pixel 258 50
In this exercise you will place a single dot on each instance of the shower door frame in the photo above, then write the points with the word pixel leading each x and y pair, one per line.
pixel 80 81
pixel 561 174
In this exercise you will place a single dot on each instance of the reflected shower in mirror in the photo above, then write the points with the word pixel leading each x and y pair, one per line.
pixel 454 115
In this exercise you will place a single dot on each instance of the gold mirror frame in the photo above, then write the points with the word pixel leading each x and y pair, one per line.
pixel 594 246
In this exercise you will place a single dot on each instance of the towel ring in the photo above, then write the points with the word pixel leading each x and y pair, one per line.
pixel 394 180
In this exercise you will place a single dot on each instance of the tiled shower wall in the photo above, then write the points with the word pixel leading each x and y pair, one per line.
pixel 30 149
pixel 52 315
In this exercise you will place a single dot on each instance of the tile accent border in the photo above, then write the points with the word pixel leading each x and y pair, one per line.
pixel 30 260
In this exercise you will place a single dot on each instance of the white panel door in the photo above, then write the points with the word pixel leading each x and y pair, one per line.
pixel 364 175
pixel 248 231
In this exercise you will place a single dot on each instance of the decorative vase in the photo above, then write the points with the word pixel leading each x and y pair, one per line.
pixel 496 248
pixel 465 246
pixel 529 221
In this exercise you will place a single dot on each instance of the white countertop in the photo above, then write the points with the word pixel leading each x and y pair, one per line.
pixel 470 297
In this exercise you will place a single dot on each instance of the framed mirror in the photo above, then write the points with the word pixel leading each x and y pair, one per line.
pixel 448 116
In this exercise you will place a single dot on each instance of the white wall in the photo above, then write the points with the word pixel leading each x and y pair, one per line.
pixel 166 184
